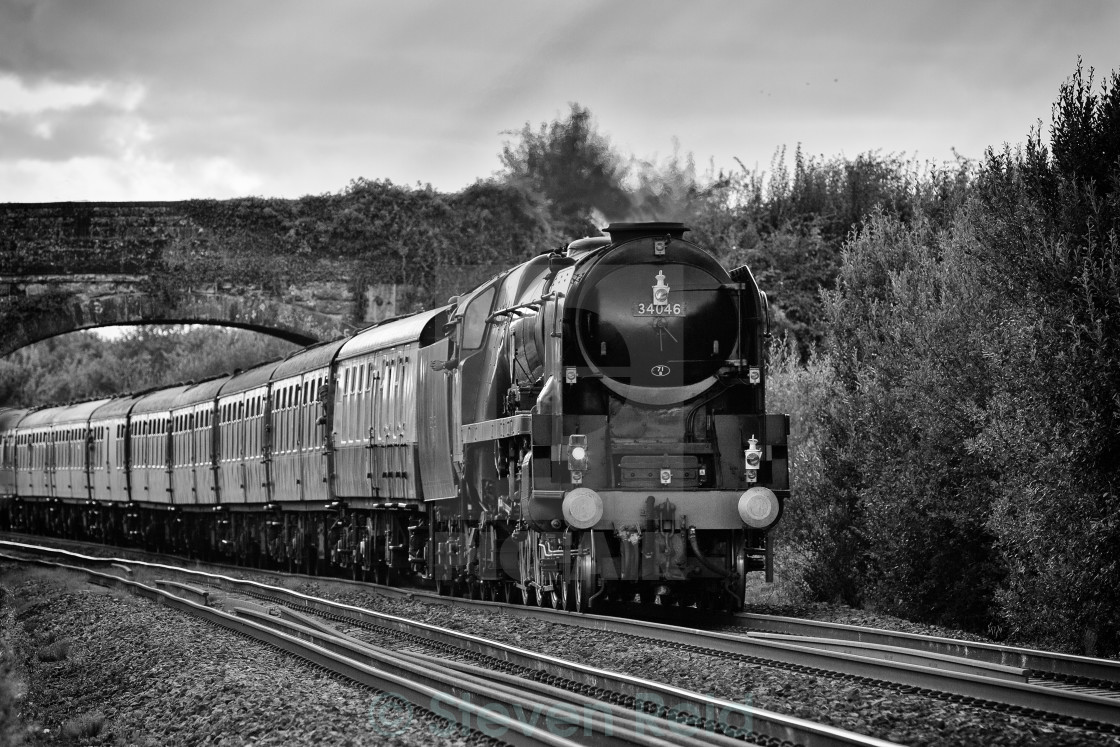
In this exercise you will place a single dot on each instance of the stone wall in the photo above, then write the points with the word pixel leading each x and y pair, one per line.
pixel 69 266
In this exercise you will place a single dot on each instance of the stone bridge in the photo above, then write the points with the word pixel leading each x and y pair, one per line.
pixel 77 265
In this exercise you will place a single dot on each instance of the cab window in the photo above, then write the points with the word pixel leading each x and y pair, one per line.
pixel 474 319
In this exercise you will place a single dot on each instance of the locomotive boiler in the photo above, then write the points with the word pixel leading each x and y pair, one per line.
pixel 589 425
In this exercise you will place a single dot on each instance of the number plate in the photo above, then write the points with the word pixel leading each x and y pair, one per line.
pixel 660 309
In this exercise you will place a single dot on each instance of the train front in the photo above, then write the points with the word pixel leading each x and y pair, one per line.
pixel 666 456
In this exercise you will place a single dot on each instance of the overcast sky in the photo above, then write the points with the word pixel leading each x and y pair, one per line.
pixel 168 100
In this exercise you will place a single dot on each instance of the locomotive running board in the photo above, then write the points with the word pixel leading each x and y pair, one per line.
pixel 490 430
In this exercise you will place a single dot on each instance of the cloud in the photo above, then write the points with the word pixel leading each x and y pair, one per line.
pixel 57 121
pixel 127 178
pixel 292 98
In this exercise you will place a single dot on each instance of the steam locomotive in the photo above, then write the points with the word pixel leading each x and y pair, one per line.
pixel 589 425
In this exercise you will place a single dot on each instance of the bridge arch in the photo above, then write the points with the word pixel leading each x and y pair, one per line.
pixel 54 311
pixel 244 263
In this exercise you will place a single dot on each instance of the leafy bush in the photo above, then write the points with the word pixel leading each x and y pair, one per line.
pixel 814 541
pixel 84 366
pixel 10 730
pixel 905 321
pixel 790 227
pixel 85 726
pixel 57 651
pixel 1050 246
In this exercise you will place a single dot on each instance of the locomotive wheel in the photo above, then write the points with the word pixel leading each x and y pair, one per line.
pixel 562 597
pixel 540 595
pixel 582 581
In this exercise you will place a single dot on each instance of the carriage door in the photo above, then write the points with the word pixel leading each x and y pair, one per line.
pixel 379 426
pixel 51 457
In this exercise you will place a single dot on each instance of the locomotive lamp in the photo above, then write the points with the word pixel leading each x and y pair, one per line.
pixel 577 456
pixel 660 291
pixel 752 458
pixel 577 452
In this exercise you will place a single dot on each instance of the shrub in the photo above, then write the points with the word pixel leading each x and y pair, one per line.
pixel 813 542
pixel 57 651
pixel 83 727
pixel 1050 244
pixel 905 320
pixel 9 717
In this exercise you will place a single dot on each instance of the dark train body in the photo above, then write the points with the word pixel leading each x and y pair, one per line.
pixel 587 425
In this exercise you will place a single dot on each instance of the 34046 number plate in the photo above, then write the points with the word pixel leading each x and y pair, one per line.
pixel 660 309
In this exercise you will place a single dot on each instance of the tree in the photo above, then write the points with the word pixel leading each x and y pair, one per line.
pixel 81 365
pixel 570 167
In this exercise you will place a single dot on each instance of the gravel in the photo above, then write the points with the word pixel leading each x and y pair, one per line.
pixel 359 717
pixel 867 709
pixel 136 673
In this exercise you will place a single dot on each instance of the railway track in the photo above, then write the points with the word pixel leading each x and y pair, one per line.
pixel 1078 691
pixel 1099 676
pixel 471 678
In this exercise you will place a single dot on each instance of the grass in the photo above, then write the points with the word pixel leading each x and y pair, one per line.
pixel 9 718
pixel 61 580
pixel 57 651
pixel 85 726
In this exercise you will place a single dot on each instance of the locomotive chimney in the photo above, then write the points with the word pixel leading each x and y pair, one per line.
pixel 620 232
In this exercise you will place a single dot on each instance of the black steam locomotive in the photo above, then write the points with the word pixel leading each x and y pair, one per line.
pixel 588 425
